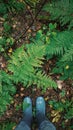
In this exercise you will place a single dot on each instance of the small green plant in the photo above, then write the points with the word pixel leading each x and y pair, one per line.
pixel 2 44
pixel 7 90
pixel 5 43
pixel 7 126
pixel 65 107
pixel 18 107
pixel 7 27
pixel 3 8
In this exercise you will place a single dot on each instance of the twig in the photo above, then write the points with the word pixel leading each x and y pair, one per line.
pixel 25 31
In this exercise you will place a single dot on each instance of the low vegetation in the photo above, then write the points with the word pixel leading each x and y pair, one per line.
pixel 24 63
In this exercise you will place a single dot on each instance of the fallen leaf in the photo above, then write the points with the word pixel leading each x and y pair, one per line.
pixel 22 89
pixel 10 50
pixel 59 84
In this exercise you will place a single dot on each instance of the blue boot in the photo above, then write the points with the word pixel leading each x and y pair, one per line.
pixel 40 105
pixel 27 106
pixel 27 110
pixel 43 122
pixel 25 123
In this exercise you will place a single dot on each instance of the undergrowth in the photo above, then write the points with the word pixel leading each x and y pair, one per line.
pixel 7 89
pixel 59 45
pixel 11 6
pixel 5 44
pixel 7 126
pixel 61 11
pixel 65 108
pixel 25 64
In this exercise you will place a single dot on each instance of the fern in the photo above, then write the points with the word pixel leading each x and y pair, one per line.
pixel 60 43
pixel 7 89
pixel 61 46
pixel 57 43
pixel 61 10
pixel 68 56
pixel 64 65
pixel 26 65
pixel 11 5
pixel 16 5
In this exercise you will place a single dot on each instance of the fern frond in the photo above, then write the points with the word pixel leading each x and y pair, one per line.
pixel 25 66
pixel 7 89
pixel 61 10
pixel 44 81
pixel 60 43
pixel 68 56
pixel 65 69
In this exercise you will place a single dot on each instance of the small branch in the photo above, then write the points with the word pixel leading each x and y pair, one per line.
pixel 43 3
pixel 33 20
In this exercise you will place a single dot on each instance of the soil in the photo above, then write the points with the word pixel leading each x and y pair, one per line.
pixel 23 24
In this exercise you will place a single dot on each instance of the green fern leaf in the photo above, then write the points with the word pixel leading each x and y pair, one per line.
pixel 25 66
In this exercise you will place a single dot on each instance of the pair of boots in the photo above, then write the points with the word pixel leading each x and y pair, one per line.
pixel 42 121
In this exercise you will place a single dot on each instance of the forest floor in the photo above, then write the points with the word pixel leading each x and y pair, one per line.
pixel 22 28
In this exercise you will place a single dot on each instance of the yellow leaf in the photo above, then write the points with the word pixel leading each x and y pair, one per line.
pixel 50 106
pixel 6 70
pixel 13 128
pixel 56 118
pixel 63 100
pixel 55 113
pixel 46 98
pixel 67 67
pixel 10 50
